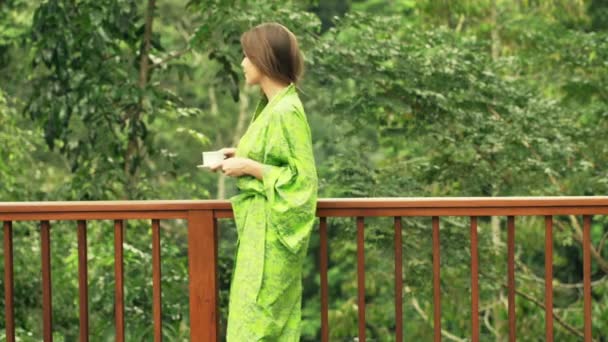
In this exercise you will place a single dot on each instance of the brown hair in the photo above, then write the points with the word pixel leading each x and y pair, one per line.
pixel 273 49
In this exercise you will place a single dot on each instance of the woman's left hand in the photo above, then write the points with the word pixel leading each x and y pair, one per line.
pixel 235 166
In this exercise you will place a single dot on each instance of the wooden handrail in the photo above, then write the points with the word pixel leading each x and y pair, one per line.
pixel 328 207
pixel 202 218
pixel 325 203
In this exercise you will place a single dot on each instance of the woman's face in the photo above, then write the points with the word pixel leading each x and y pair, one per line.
pixel 253 75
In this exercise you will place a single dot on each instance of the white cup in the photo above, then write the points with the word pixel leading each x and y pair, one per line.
pixel 212 157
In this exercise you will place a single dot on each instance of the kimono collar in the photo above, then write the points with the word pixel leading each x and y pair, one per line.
pixel 264 105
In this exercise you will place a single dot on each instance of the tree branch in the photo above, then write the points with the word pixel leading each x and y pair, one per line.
pixel 420 312
pixel 600 247
pixel 557 318
pixel 170 57
pixel 538 303
pixel 578 236
pixel 486 322
pixel 533 277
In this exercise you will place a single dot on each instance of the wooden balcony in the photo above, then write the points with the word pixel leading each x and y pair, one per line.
pixel 202 228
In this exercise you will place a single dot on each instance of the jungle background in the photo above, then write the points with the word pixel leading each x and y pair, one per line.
pixel 116 100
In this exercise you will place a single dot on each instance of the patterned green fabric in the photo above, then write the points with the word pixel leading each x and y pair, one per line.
pixel 274 218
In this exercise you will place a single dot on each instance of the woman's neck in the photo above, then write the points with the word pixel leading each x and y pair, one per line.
pixel 271 87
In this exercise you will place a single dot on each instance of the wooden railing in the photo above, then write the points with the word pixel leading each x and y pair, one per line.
pixel 202 219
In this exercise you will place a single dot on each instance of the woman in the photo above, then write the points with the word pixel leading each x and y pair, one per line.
pixel 275 208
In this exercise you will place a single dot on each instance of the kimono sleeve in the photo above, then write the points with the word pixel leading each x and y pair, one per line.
pixel 290 179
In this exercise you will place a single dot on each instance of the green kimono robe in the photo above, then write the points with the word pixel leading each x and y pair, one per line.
pixel 274 218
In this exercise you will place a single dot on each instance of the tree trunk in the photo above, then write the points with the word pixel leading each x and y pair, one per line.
pixel 448 13
pixel 495 222
pixel 495 32
pixel 496 312
pixel 133 154
pixel 240 126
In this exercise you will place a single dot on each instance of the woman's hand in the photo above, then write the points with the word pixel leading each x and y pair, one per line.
pixel 237 167
pixel 228 152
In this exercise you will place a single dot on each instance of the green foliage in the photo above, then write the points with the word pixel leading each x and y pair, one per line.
pixel 19 143
pixel 405 98
pixel 88 74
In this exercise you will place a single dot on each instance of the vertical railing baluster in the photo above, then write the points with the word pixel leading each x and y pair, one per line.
pixel 398 281
pixel 9 310
pixel 83 296
pixel 45 255
pixel 119 304
pixel 202 269
pixel 361 276
pixel 436 281
pixel 548 278
pixel 323 261
pixel 156 276
pixel 587 275
pixel 474 282
pixel 511 275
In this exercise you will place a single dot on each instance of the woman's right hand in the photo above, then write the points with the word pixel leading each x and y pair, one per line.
pixel 228 152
